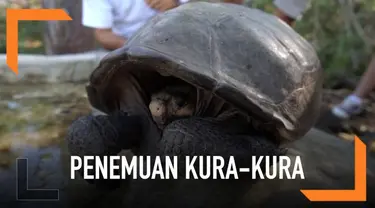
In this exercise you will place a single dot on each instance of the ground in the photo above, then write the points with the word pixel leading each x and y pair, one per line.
pixel 33 123
pixel 362 125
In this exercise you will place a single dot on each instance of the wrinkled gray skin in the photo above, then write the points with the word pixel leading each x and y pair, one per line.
pixel 266 81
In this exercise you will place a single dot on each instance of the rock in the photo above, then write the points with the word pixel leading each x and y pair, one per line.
pixel 349 137
pixel 328 163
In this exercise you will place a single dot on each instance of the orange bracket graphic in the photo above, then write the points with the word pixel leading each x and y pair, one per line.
pixel 358 193
pixel 15 15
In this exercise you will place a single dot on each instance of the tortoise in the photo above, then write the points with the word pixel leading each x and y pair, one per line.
pixel 258 86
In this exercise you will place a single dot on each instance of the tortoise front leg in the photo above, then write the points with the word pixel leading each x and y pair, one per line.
pixel 201 136
pixel 104 136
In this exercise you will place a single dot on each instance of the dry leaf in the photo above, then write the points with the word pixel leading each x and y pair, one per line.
pixel 349 137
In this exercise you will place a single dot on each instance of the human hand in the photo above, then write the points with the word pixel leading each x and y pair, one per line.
pixel 162 5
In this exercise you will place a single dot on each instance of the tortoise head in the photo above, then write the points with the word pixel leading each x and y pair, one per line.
pixel 173 102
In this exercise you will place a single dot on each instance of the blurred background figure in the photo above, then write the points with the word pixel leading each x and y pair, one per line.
pixel 115 21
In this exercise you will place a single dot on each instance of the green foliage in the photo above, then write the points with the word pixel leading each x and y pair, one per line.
pixel 339 45
pixel 33 31
pixel 330 28
pixel 265 5
pixel 28 32
pixel 2 34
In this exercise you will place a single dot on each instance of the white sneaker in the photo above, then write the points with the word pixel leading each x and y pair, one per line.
pixel 351 106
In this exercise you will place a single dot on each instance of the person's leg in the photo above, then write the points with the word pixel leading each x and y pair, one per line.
pixel 367 83
pixel 353 104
